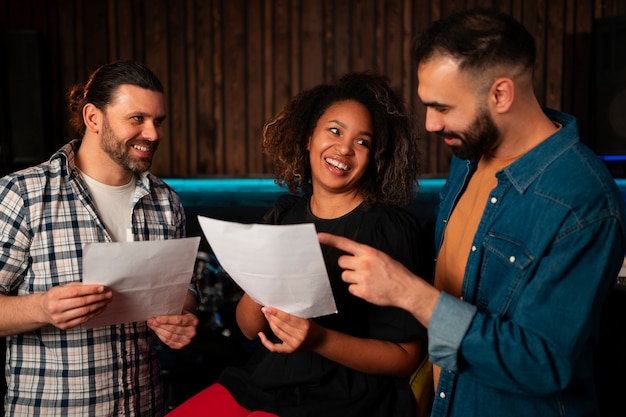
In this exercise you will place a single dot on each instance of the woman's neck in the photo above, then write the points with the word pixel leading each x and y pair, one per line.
pixel 332 205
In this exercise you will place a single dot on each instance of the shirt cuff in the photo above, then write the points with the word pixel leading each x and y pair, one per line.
pixel 446 329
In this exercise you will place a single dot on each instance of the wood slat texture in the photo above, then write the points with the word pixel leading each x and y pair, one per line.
pixel 229 65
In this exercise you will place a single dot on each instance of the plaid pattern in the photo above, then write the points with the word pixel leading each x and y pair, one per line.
pixel 46 216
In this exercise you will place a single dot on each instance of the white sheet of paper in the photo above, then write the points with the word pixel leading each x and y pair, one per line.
pixel 149 278
pixel 280 266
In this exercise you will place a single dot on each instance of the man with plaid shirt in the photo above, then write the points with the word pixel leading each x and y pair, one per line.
pixel 94 189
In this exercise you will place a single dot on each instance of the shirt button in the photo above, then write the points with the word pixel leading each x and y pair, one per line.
pixel 442 394
pixel 473 248
pixel 511 259
pixel 494 200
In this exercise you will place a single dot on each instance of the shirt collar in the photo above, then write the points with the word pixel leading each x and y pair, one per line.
pixel 67 154
pixel 529 166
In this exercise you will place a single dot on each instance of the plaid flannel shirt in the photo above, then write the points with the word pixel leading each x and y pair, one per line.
pixel 46 216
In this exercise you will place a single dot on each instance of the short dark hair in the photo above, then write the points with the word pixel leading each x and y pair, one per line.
pixel 392 172
pixel 479 39
pixel 102 85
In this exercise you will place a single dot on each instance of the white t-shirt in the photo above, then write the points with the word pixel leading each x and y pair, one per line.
pixel 114 206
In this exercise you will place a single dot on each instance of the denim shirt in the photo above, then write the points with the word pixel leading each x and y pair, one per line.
pixel 546 253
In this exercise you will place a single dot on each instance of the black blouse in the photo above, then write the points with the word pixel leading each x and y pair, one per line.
pixel 307 384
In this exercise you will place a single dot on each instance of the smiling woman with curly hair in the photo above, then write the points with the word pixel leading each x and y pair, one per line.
pixel 347 151
pixel 392 174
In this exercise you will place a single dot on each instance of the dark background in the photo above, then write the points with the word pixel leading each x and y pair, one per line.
pixel 229 65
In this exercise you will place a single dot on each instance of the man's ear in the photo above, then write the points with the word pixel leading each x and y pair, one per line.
pixel 502 94
pixel 92 116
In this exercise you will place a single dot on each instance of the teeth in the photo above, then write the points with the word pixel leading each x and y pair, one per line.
pixel 141 148
pixel 337 164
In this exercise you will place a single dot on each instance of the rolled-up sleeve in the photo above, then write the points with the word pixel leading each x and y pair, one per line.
pixel 447 327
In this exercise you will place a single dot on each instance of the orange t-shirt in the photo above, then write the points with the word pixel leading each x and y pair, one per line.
pixel 462 226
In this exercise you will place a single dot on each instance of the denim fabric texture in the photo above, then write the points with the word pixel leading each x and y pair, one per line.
pixel 547 251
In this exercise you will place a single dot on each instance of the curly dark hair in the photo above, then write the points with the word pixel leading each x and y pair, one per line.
pixel 392 173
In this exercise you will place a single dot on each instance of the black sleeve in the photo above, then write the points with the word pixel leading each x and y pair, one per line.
pixel 283 204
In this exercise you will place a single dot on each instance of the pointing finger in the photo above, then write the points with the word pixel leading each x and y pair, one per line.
pixel 339 242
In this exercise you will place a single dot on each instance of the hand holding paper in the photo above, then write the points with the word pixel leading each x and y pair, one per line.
pixel 148 278
pixel 279 266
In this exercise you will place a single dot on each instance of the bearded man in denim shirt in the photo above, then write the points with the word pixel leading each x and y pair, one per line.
pixel 530 234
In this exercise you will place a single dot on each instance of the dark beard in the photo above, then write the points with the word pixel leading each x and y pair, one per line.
pixel 116 150
pixel 480 138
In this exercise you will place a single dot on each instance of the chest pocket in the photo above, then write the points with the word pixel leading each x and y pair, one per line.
pixel 158 215
pixel 157 224
pixel 502 273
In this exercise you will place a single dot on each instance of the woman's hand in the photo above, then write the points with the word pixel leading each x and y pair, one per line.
pixel 296 334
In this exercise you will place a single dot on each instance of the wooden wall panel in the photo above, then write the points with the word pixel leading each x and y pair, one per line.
pixel 581 68
pixel 282 77
pixel 66 61
pixel 229 65
pixel 235 104
pixel 364 38
pixel 308 54
pixel 255 100
pixel 158 56
pixel 341 54
pixel 189 56
pixel 216 142
pixel 93 33
pixel 179 138
pixel 205 118
pixel 534 18
pixel 553 53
